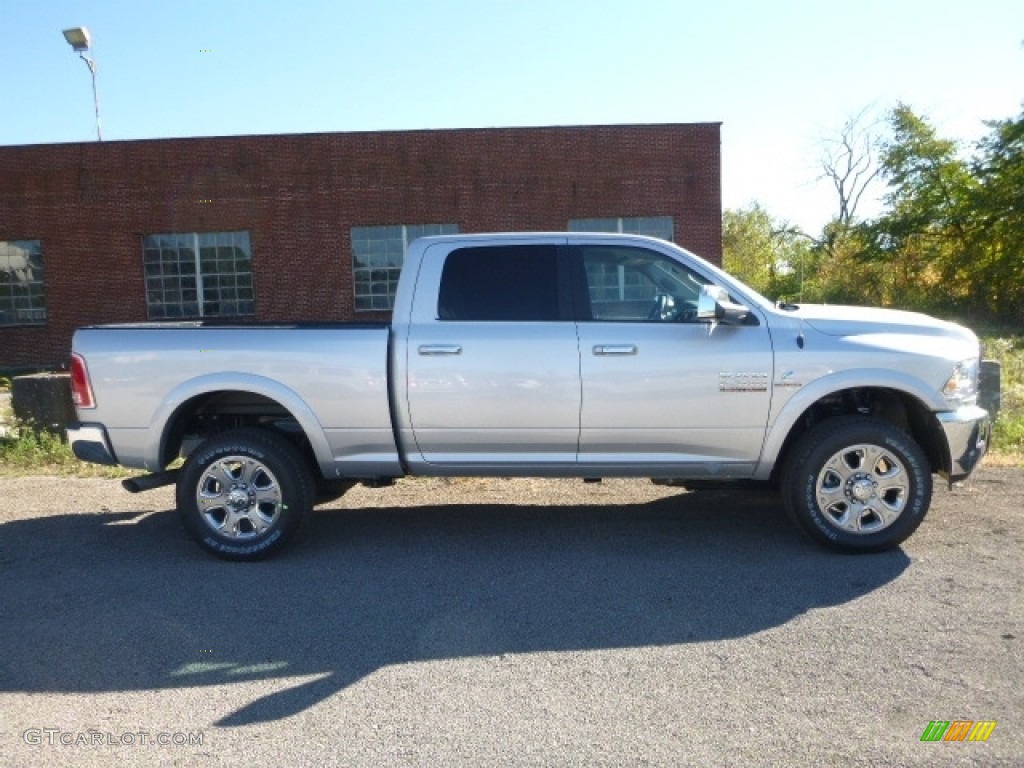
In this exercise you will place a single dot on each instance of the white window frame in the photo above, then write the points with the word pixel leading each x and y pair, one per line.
pixel 165 278
pixel 378 253
pixel 652 226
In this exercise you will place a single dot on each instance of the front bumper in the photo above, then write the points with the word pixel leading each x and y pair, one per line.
pixel 968 432
pixel 89 442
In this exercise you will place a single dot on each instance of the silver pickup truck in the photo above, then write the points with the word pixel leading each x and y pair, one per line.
pixel 555 355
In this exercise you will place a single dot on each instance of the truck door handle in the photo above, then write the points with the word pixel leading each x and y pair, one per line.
pixel 615 349
pixel 440 349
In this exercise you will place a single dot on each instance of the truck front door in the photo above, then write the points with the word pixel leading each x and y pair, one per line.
pixel 660 388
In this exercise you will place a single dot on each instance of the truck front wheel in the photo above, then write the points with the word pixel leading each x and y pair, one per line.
pixel 857 484
pixel 243 494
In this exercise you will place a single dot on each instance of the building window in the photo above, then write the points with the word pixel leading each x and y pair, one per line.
pixel 198 274
pixel 21 283
pixel 652 226
pixel 377 257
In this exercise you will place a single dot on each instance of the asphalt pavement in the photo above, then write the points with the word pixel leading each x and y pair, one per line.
pixel 515 622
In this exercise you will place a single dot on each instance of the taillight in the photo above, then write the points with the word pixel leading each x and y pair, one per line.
pixel 81 388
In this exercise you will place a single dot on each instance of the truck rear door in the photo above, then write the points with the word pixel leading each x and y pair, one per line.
pixel 493 365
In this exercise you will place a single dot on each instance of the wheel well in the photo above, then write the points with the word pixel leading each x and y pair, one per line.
pixel 897 408
pixel 211 413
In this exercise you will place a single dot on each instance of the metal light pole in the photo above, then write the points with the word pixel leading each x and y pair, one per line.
pixel 78 39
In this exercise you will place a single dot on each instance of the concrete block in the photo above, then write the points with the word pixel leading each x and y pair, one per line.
pixel 43 400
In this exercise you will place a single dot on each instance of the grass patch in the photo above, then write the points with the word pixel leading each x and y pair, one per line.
pixel 26 451
pixel 23 448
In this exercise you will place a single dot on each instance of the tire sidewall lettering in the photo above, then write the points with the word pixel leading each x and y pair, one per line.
pixel 219 452
pixel 213 542
pixel 280 458
pixel 808 461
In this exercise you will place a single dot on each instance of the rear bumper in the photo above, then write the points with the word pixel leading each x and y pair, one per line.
pixel 968 432
pixel 89 442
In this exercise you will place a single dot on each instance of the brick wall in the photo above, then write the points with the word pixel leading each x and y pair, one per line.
pixel 299 195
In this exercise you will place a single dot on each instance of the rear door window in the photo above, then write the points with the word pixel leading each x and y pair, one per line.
pixel 510 283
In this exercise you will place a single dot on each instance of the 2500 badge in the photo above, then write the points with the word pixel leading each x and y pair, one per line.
pixel 742 381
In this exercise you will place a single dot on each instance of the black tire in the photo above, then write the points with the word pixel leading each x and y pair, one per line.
pixel 857 484
pixel 243 494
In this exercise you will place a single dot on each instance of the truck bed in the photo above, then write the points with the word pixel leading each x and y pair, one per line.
pixel 330 378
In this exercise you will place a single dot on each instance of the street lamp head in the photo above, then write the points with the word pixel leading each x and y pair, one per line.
pixel 78 38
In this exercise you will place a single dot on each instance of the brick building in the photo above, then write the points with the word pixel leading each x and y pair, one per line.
pixel 311 226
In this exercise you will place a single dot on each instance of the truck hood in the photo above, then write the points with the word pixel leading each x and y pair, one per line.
pixel 858 321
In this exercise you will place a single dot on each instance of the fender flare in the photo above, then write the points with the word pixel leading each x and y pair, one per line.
pixel 287 398
pixel 811 393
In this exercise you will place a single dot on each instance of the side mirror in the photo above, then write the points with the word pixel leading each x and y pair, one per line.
pixel 714 305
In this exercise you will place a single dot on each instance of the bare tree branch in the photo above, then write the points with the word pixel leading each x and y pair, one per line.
pixel 849 163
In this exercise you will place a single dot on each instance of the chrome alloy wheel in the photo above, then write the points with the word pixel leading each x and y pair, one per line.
pixel 238 497
pixel 862 489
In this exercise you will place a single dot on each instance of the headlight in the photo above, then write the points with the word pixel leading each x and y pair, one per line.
pixel 962 386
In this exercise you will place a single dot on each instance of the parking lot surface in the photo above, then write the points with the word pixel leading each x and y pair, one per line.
pixel 507 622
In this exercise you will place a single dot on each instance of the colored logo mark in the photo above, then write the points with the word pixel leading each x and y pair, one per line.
pixel 958 730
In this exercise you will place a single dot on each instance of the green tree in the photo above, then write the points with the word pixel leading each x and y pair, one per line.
pixel 951 239
pixel 842 275
pixel 922 243
pixel 763 252
pixel 748 251
pixel 998 208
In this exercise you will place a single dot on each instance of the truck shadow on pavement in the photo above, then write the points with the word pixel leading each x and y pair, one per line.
pixel 106 601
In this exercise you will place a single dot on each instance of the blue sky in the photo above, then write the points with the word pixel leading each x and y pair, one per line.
pixel 780 76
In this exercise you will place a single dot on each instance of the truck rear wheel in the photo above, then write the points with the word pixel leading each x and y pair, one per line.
pixel 857 484
pixel 243 494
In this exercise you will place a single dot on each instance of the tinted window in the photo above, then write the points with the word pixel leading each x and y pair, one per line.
pixel 510 283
